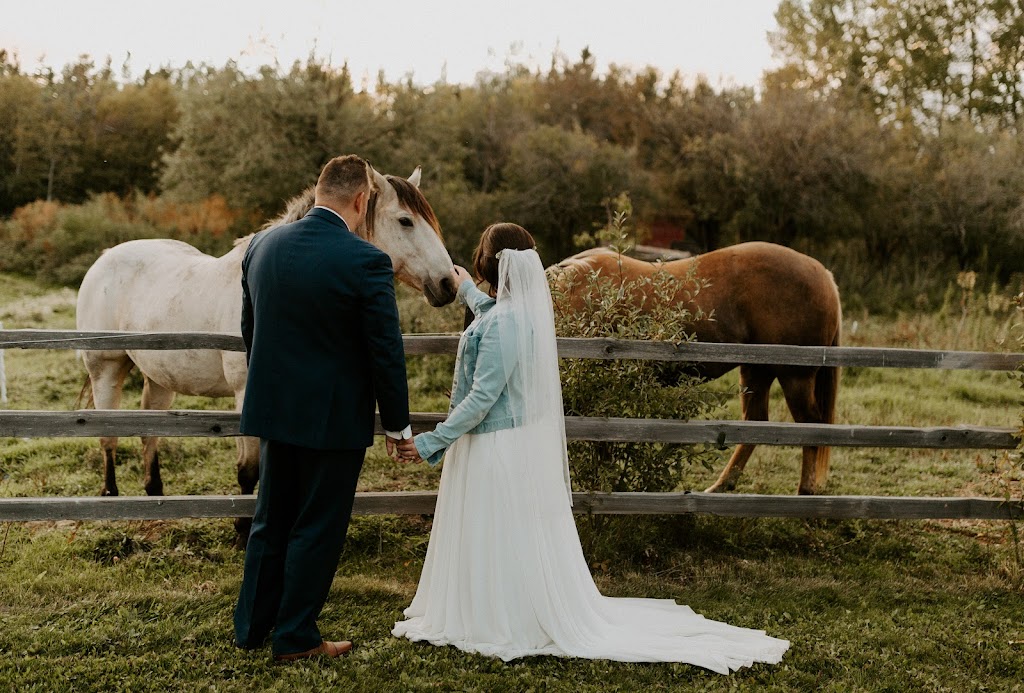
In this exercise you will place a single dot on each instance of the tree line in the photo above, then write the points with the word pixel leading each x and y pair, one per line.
pixel 888 142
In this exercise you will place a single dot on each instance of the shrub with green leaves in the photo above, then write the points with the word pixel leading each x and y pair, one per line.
pixel 643 308
pixel 57 243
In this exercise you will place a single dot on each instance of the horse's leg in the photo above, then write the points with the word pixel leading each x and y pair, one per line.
pixel 154 396
pixel 107 371
pixel 826 390
pixel 755 384
pixel 798 386
pixel 248 475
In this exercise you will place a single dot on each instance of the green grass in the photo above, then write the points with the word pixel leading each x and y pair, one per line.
pixel 867 605
pixel 888 397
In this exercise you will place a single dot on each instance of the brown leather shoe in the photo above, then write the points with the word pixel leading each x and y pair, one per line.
pixel 329 649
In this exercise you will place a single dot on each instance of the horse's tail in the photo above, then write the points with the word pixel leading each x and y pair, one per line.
pixel 826 388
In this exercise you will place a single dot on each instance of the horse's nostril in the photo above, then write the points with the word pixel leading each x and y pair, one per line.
pixel 440 292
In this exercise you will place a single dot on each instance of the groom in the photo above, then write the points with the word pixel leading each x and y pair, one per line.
pixel 323 344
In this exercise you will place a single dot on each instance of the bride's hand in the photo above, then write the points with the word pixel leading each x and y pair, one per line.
pixel 459 274
pixel 406 452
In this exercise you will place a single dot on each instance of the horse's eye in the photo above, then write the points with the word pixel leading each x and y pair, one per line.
pixel 406 222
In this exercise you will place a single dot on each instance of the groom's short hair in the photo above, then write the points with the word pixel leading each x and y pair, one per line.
pixel 343 178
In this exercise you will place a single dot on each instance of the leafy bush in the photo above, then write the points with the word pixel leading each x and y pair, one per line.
pixel 58 243
pixel 645 308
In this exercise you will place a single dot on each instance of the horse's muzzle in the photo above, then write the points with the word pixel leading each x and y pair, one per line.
pixel 440 293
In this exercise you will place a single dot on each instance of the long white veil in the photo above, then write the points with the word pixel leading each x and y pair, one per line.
pixel 505 574
pixel 530 354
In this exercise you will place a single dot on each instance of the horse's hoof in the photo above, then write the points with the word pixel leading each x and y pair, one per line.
pixel 241 540
pixel 108 492
pixel 242 527
pixel 156 489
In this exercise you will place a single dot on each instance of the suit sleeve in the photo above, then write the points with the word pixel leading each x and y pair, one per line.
pixel 384 341
pixel 247 321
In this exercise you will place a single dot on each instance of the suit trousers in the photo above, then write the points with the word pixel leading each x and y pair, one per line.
pixel 303 507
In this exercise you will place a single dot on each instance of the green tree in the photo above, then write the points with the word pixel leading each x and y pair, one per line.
pixel 128 136
pixel 691 147
pixel 977 181
pixel 802 169
pixel 557 182
pixel 20 116
pixel 919 61
pixel 259 140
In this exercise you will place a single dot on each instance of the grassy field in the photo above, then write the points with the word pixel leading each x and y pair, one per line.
pixel 867 605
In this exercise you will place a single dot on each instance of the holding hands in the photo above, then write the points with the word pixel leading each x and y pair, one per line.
pixel 405 450
pixel 402 450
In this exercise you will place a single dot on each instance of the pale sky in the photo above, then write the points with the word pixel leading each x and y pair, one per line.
pixel 725 40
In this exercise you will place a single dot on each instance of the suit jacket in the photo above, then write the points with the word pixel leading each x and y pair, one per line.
pixel 322 337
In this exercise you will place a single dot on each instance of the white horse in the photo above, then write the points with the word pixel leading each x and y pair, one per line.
pixel 162 285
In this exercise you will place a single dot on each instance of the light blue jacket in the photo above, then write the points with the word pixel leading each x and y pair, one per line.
pixel 483 400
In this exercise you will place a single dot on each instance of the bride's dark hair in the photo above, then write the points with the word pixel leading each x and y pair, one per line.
pixel 494 239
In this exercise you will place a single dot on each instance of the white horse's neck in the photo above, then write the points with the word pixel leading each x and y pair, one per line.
pixel 241 245
pixel 296 208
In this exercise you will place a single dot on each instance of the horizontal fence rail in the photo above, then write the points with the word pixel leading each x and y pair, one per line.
pixel 423 502
pixel 188 423
pixel 92 423
pixel 568 347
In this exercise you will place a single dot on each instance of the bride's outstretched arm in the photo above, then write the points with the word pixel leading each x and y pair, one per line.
pixel 489 379
pixel 472 296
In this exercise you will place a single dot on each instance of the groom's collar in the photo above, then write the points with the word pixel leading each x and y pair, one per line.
pixel 329 215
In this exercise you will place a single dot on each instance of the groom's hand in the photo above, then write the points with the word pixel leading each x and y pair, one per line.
pixel 407 451
pixel 391 444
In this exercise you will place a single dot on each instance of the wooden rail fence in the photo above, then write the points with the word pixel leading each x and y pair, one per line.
pixel 568 347
pixel 422 503
pixel 91 423
pixel 95 423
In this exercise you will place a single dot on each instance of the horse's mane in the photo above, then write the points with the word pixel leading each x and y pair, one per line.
pixel 296 208
pixel 409 196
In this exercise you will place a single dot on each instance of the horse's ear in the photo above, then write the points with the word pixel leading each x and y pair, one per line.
pixel 415 177
pixel 379 181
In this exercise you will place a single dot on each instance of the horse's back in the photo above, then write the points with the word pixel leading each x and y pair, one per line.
pixel 763 293
pixel 156 284
pixel 163 285
pixel 756 292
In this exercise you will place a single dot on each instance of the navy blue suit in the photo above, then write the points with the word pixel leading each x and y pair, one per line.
pixel 324 346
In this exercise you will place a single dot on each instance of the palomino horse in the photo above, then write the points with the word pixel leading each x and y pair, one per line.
pixel 758 293
pixel 162 285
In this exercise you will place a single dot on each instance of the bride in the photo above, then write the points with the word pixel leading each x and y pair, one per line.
pixel 504 574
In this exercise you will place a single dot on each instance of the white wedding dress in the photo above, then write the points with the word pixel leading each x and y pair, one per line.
pixel 505 574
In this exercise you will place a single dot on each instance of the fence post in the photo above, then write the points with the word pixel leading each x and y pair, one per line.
pixel 3 376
